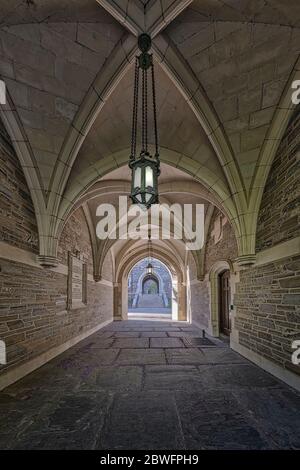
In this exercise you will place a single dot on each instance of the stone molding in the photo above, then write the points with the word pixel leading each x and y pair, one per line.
pixel 282 374
pixel 21 256
pixel 47 261
pixel 246 260
pixel 282 250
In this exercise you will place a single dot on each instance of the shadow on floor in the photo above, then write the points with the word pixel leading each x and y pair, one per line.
pixel 149 385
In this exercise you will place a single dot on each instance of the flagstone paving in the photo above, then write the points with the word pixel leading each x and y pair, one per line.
pixel 145 385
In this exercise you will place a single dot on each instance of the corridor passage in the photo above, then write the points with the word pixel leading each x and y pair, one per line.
pixel 149 385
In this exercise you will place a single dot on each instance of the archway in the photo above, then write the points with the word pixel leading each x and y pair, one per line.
pixel 215 279
pixel 178 305
pixel 150 285
pixel 150 292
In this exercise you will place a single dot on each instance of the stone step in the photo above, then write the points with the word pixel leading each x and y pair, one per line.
pixel 150 300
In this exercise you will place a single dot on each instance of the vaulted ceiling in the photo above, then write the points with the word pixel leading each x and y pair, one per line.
pixel 224 71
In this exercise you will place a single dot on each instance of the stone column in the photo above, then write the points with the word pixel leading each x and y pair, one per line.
pixel 117 305
pixel 182 302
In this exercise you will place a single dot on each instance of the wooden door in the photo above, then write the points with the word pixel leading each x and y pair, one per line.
pixel 224 302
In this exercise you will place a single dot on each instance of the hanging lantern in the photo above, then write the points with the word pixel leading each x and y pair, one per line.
pixel 145 167
pixel 149 267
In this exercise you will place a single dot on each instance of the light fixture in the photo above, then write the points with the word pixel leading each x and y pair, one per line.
pixel 149 267
pixel 145 167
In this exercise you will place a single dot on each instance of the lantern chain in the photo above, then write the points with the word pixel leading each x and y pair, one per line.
pixel 135 111
pixel 143 110
pixel 143 166
pixel 154 112
pixel 146 110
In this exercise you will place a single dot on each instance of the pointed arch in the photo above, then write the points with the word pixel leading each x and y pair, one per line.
pixel 271 143
pixel 22 148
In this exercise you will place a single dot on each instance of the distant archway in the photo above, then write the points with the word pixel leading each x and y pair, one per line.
pixel 150 284
pixel 155 286
pixel 177 274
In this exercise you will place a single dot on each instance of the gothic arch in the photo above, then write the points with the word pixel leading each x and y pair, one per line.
pixel 216 269
pixel 279 124
pixel 177 275
pixel 152 277
pixel 160 284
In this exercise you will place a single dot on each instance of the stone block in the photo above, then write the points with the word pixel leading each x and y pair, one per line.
pixel 18 92
pixel 141 356
pixel 290 282
pixel 131 414
pixel 227 108
pixel 207 431
pixel 249 101
pixel 253 138
pixel 262 117
pixel 130 343
pixel 291 299
pixel 166 343
pixel 24 52
pixel 272 92
pixel 6 68
pixel 42 101
pixel 173 377
pixel 65 108
pixel 189 356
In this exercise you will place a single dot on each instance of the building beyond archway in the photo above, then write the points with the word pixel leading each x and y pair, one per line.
pixel 150 293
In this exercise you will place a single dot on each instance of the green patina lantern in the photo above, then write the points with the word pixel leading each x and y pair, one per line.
pixel 144 187
pixel 145 167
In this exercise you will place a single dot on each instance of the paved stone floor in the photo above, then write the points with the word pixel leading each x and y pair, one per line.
pixel 146 385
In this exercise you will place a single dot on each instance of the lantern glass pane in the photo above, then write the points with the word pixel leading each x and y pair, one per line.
pixel 149 176
pixel 137 177
pixel 148 197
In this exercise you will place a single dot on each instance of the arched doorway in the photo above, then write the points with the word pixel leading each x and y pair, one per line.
pixel 150 293
pixel 221 287
pixel 224 302
pixel 150 285
pixel 125 293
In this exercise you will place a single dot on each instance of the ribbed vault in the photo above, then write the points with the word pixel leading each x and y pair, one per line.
pixel 224 72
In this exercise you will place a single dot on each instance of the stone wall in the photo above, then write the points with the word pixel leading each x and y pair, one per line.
pixel 75 237
pixel 17 217
pixel 221 243
pixel 279 216
pixel 267 299
pixel 33 315
pixel 268 309
pixel 199 303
